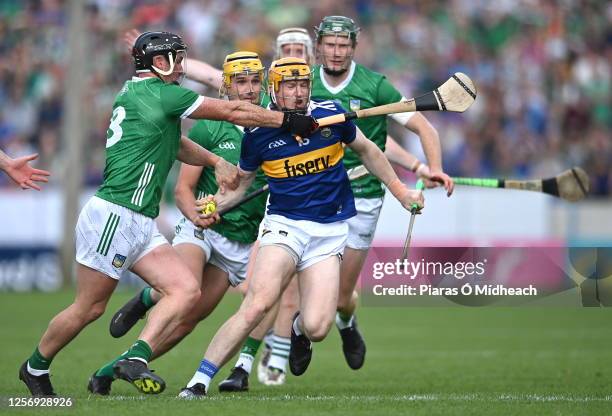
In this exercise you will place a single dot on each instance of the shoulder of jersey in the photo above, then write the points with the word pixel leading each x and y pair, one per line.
pixel 367 71
pixel 326 107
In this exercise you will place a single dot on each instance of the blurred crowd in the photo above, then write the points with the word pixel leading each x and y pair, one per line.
pixel 542 69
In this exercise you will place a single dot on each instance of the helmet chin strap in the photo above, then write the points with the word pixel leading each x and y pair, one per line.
pixel 168 72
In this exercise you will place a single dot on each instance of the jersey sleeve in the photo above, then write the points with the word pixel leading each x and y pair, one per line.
pixel 177 101
pixel 200 133
pixel 348 128
pixel 386 93
pixel 349 131
pixel 250 158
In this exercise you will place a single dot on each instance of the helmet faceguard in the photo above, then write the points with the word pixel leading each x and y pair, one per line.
pixel 337 26
pixel 240 63
pixel 150 44
pixel 285 70
pixel 295 35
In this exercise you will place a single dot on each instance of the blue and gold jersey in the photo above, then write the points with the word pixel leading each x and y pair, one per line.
pixel 307 181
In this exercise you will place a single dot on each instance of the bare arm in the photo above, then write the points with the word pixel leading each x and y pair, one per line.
pixel 192 153
pixel 202 72
pixel 237 112
pixel 376 163
pixel 227 199
pixel 184 191
pixel 430 140
pixel 399 156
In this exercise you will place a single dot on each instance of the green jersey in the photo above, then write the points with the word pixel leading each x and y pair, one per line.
pixel 225 139
pixel 362 89
pixel 142 142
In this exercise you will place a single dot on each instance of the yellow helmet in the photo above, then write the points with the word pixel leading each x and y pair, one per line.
pixel 241 62
pixel 286 69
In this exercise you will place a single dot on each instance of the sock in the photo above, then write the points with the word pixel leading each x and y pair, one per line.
pixel 139 351
pixel 296 327
pixel 204 375
pixel 280 353
pixel 343 321
pixel 38 364
pixel 107 369
pixel 247 354
pixel 145 297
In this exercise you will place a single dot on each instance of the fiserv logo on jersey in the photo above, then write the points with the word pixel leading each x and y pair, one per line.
pixel 305 163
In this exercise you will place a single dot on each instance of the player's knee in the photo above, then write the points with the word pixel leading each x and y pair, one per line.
pixel 188 290
pixel 316 328
pixel 255 312
pixel 95 311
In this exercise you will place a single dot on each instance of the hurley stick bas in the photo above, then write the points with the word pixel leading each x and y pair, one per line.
pixel 571 185
pixel 456 95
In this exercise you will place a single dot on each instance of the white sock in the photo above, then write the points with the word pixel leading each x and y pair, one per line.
pixel 280 353
pixel 35 372
pixel 341 324
pixel 296 327
pixel 199 377
pixel 245 361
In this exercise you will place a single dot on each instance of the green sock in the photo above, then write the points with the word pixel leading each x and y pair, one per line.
pixel 107 369
pixel 140 349
pixel 250 346
pixel 345 318
pixel 145 297
pixel 38 362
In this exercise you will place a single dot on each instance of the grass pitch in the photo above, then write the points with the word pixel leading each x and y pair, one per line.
pixel 420 361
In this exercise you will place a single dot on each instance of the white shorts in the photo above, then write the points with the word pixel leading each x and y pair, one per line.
pixel 308 242
pixel 230 256
pixel 363 225
pixel 111 238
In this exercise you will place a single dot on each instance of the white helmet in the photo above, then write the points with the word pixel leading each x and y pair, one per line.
pixel 295 35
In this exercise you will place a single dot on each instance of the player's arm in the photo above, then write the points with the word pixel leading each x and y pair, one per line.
pixel 196 70
pixel 250 115
pixel 204 73
pixel 185 189
pixel 377 164
pixel 21 172
pixel 399 156
pixel 192 153
pixel 430 140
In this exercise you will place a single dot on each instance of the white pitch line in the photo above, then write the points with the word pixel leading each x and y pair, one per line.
pixel 398 398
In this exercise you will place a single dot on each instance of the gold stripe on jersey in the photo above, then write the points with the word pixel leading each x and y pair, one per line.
pixel 305 163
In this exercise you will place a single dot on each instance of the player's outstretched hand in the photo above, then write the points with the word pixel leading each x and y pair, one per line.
pixel 226 175
pixel 300 125
pixel 442 179
pixel 25 175
pixel 204 218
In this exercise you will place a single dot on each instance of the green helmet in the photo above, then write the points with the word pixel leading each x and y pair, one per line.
pixel 339 26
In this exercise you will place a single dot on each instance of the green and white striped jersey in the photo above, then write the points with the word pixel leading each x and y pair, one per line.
pixel 142 142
